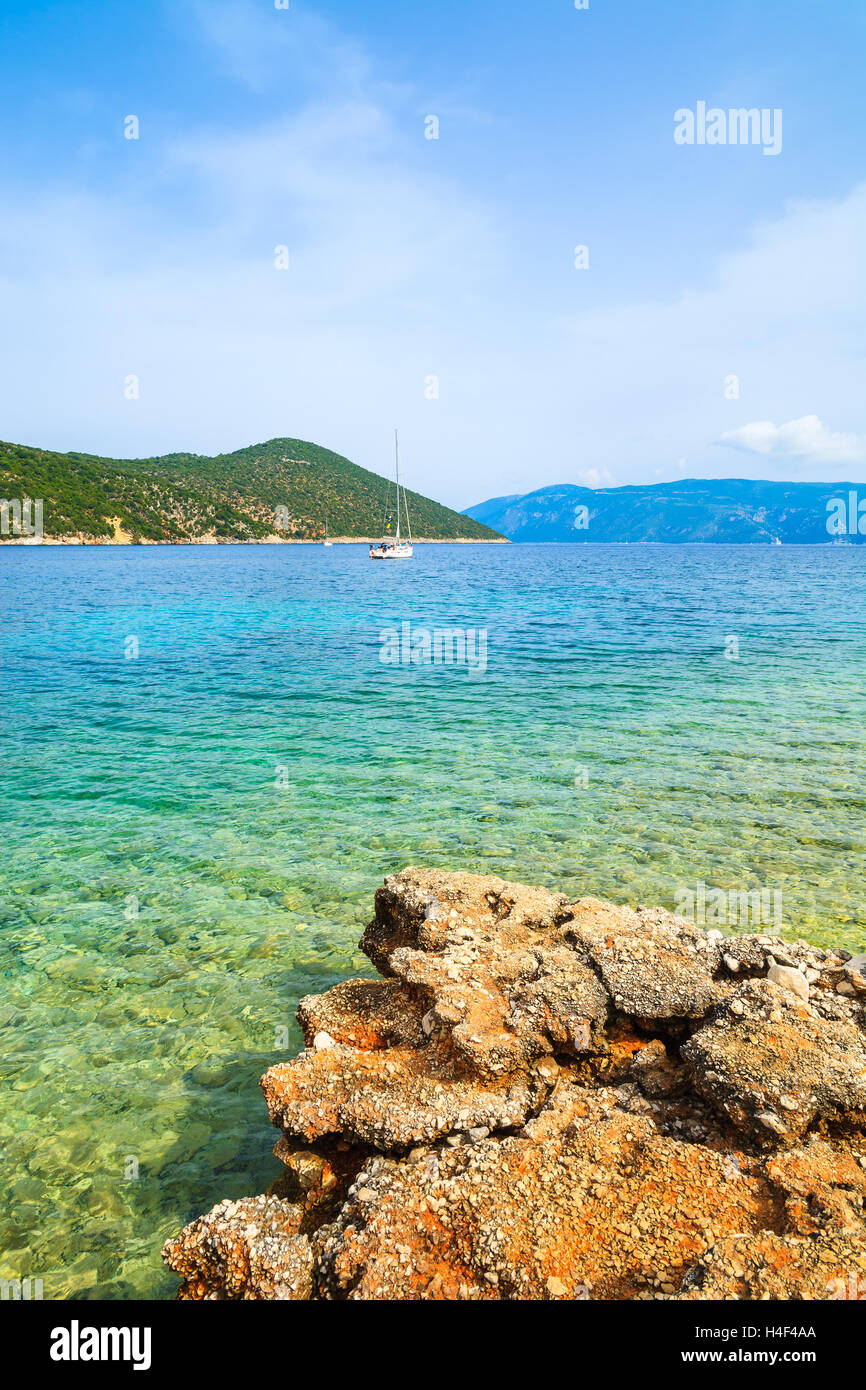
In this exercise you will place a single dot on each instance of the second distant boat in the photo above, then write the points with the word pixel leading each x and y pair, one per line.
pixel 394 548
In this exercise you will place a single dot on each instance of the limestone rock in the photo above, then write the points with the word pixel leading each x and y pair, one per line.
pixel 245 1250
pixel 654 965
pixel 544 1099
pixel 588 1196
pixel 780 1267
pixel 794 981
pixel 394 1099
pixel 774 1067
pixel 824 1189
pixel 363 1013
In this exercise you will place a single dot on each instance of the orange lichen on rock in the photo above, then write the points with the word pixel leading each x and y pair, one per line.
pixel 554 1100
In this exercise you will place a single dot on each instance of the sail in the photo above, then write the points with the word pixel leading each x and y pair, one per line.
pixel 394 547
pixel 397 465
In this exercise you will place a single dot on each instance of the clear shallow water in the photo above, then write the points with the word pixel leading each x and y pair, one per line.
pixel 155 778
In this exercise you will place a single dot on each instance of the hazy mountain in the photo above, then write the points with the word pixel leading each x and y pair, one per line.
pixel 730 510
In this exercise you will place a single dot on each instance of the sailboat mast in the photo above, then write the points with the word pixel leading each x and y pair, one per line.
pixel 397 460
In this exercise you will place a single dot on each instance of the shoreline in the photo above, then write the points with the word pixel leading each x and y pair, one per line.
pixel 263 540
pixel 30 541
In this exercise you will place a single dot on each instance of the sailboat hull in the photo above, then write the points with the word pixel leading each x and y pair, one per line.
pixel 402 551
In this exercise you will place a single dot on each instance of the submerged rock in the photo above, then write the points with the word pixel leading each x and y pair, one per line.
pixel 554 1100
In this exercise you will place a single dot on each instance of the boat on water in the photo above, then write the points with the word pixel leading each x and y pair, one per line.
pixel 393 547
pixel 326 541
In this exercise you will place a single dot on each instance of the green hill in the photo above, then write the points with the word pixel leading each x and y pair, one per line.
pixel 233 497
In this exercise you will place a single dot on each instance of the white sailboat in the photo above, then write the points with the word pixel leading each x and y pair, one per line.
pixel 326 541
pixel 393 548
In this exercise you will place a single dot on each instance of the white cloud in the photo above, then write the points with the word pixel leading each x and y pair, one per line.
pixel 805 439
pixel 595 477
pixel 785 312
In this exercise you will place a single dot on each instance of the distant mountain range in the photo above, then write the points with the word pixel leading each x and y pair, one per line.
pixel 282 490
pixel 718 510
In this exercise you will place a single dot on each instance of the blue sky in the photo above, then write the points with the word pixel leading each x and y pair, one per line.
pixel 412 259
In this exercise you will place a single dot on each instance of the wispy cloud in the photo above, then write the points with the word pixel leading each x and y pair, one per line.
pixel 784 315
pixel 805 439
pixel 388 268
pixel 263 47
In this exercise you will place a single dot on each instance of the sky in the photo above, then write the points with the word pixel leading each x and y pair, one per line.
pixel 282 250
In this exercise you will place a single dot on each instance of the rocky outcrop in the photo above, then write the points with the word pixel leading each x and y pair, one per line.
pixel 544 1099
pixel 767 1061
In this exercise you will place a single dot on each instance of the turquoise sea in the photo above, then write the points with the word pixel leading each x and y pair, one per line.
pixel 192 834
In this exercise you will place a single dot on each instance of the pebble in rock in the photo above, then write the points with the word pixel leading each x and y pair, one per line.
pixel 790 979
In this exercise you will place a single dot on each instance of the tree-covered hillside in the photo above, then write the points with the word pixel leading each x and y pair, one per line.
pixel 285 487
